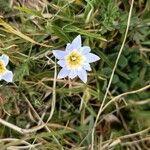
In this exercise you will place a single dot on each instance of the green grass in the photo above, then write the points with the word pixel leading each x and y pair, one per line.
pixel 39 111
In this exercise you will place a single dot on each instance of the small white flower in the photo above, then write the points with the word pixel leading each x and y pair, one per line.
pixel 75 60
pixel 4 73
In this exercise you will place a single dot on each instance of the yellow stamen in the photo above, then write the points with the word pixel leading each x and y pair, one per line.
pixel 2 67
pixel 74 60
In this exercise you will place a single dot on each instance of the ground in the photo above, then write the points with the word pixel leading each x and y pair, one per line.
pixel 110 111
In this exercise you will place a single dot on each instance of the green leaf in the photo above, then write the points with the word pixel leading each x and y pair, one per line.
pixel 135 58
pixel 29 11
pixel 84 32
pixel 123 62
pixel 141 114
pixel 146 42
pixel 59 32
pixel 105 59
pixel 21 71
pixel 115 79
pixel 123 86
pixel 107 72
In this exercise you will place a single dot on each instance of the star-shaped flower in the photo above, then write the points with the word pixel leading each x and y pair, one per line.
pixel 75 60
pixel 4 73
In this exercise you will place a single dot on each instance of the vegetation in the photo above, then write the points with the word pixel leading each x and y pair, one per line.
pixel 39 111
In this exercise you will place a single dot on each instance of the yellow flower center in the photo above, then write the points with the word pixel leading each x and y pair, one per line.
pixel 74 60
pixel 2 67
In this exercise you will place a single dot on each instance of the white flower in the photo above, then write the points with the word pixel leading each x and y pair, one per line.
pixel 4 73
pixel 75 60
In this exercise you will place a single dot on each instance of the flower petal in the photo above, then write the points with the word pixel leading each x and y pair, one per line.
pixel 7 76
pixel 5 59
pixel 59 54
pixel 62 63
pixel 82 75
pixel 69 48
pixel 85 49
pixel 91 57
pixel 63 73
pixel 87 66
pixel 73 74
pixel 76 43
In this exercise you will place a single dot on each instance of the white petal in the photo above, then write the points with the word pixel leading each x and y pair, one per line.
pixel 7 76
pixel 62 63
pixel 69 48
pixel 59 54
pixel 82 75
pixel 73 73
pixel 5 59
pixel 91 57
pixel 87 66
pixel 76 43
pixel 85 49
pixel 63 73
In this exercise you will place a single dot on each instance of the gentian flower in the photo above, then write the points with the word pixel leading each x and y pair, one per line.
pixel 75 60
pixel 4 73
